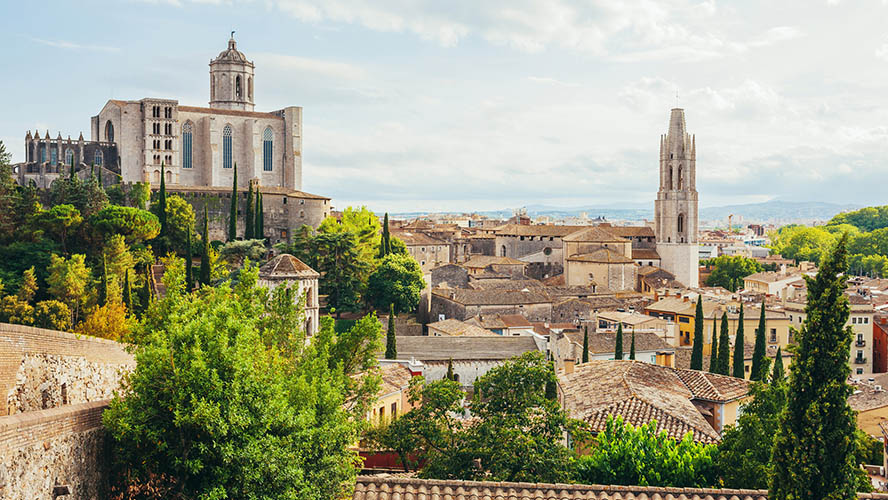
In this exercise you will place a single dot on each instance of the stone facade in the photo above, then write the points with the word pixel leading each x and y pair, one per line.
pixel 675 210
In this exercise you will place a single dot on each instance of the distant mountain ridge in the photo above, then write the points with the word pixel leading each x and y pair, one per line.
pixel 773 211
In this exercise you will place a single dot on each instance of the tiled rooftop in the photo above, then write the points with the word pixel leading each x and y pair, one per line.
pixel 286 266
pixel 464 348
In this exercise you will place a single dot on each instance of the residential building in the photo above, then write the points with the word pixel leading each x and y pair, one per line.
pixel 771 282
pixel 393 397
pixel 649 347
pixel 462 304
pixel 429 251
pixel 287 270
pixel 456 328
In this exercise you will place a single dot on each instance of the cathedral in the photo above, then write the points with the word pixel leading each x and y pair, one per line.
pixel 675 210
pixel 199 146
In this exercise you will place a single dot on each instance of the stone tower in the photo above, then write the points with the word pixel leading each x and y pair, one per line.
pixel 231 79
pixel 676 206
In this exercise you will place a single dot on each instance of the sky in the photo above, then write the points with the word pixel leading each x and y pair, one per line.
pixel 425 105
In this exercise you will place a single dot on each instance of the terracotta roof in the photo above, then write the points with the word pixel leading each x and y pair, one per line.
pixel 645 253
pixel 495 347
pixel 712 387
pixel 417 239
pixel 603 255
pixel 395 377
pixel 507 284
pixel 482 261
pixel 595 234
pixel 515 321
pixel 229 112
pixel 629 231
pixel 557 280
pixel 537 230
pixel 394 487
pixel 772 277
pixel 637 391
pixel 865 396
pixel 602 343
pixel 175 188
pixel 286 266
pixel 491 297
pixel 457 328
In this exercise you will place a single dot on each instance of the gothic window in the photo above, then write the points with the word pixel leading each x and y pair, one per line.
pixel 226 147
pixel 237 87
pixel 186 145
pixel 98 160
pixel 69 156
pixel 43 154
pixel 680 179
pixel 503 251
pixel 669 178
pixel 681 219
pixel 267 149
pixel 54 156
pixel 109 131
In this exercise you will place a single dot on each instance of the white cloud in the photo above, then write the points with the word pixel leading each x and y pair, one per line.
pixel 67 45
pixel 333 69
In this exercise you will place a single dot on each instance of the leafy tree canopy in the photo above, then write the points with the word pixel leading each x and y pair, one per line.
pixel 398 280
pixel 133 224
pixel 728 271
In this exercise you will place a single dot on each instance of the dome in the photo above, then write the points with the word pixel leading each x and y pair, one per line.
pixel 231 54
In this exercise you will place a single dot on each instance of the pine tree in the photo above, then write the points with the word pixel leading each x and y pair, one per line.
pixel 632 346
pixel 815 445
pixel 738 363
pixel 249 216
pixel 259 226
pixel 618 348
pixel 71 173
pixel 585 357
pixel 232 211
pixel 103 286
pixel 127 292
pixel 713 349
pixel 449 375
pixel 759 362
pixel 204 276
pixel 189 267
pixel 777 373
pixel 724 347
pixel 391 348
pixel 697 350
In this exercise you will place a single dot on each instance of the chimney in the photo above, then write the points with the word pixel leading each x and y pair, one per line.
pixel 685 298
pixel 569 366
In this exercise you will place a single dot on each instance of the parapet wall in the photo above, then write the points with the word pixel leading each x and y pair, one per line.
pixel 41 369
pixel 61 447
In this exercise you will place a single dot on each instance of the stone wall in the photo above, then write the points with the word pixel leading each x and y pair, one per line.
pixel 42 369
pixel 57 447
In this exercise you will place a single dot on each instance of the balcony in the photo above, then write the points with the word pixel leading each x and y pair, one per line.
pixel 860 343
pixel 860 361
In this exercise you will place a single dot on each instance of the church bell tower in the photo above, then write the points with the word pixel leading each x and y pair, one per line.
pixel 675 210
pixel 231 79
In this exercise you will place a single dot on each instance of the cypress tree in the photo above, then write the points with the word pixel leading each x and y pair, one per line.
pixel 259 226
pixel 127 292
pixel 618 348
pixel 385 244
pixel 232 211
pixel 759 362
pixel 103 287
pixel 777 373
pixel 249 217
pixel 724 347
pixel 189 268
pixel 585 357
pixel 162 202
pixel 738 365
pixel 449 375
pixel 391 349
pixel 71 174
pixel 697 350
pixel 713 349
pixel 204 276
pixel 632 346
pixel 815 445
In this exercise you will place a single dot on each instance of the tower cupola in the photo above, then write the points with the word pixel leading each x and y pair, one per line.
pixel 231 79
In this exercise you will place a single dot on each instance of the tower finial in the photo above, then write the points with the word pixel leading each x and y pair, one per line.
pixel 232 34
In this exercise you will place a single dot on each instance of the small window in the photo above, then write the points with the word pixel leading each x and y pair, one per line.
pixel 54 156
pixel 69 157
pixel 860 371
pixel 98 159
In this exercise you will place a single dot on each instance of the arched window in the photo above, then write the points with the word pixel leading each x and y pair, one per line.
pixel 54 156
pixel 98 160
pixel 43 154
pixel 503 251
pixel 186 145
pixel 109 131
pixel 669 178
pixel 69 156
pixel 680 178
pixel 681 221
pixel 226 147
pixel 169 177
pixel 157 176
pixel 237 87
pixel 267 149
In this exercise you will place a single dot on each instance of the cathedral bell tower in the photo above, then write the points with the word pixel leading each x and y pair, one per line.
pixel 231 79
pixel 676 206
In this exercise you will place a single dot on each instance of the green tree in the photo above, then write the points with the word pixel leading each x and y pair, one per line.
pixel 87 196
pixel 189 264
pixel 618 348
pixel 449 375
pixel 802 242
pixel 391 348
pixel 204 275
pixel 259 228
pixel 814 447
pixel 626 455
pixel 585 358
pixel 217 413
pixel 140 194
pixel 738 365
pixel 179 223
pixel 777 373
pixel 365 227
pixel 759 359
pixel 697 350
pixel 134 224
pixel 68 282
pixel 52 315
pixel 232 211
pixel 385 244
pixel 28 288
pixel 162 211
pixel 236 251
pixel 103 283
pixel 632 346
pixel 61 220
pixel 724 347
pixel 398 280
pixel 865 219
pixel 338 261
pixel 728 271
pixel 713 349
pixel 128 292
pixel 249 216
